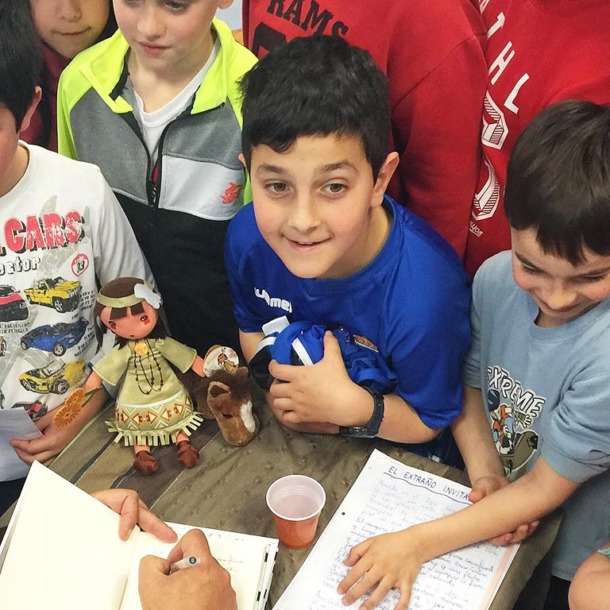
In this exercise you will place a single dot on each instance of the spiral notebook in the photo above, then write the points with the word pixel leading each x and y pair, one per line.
pixel 67 543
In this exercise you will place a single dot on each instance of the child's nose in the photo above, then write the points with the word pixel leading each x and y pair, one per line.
pixel 304 217
pixel 69 10
pixel 558 296
pixel 149 23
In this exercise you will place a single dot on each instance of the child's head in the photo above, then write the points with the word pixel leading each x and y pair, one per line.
pixel 557 202
pixel 169 36
pixel 70 26
pixel 316 86
pixel 315 138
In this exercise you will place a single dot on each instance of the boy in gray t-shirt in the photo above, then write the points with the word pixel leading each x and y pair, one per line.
pixel 539 360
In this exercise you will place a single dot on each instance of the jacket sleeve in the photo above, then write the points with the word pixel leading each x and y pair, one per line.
pixel 65 139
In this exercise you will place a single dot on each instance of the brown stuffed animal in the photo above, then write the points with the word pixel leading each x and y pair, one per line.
pixel 225 394
pixel 229 399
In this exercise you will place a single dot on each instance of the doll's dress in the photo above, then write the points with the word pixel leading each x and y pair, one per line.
pixel 152 405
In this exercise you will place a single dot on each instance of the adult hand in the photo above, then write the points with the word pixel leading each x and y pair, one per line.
pixel 486 485
pixel 128 504
pixel 204 586
pixel 378 565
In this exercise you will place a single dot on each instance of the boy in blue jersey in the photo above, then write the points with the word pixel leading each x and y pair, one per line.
pixel 537 399
pixel 322 244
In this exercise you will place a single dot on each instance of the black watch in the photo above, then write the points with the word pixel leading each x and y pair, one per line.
pixel 371 429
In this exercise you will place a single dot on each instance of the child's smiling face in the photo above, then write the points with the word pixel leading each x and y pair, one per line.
pixel 317 205
pixel 70 26
pixel 562 291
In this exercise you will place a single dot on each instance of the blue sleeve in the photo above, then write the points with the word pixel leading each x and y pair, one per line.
pixel 471 373
pixel 238 247
pixel 429 358
pixel 576 444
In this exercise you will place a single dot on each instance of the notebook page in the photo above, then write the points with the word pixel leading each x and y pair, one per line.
pixel 242 555
pixel 388 496
pixel 67 543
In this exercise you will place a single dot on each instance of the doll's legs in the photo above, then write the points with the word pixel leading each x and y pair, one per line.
pixel 144 463
pixel 187 454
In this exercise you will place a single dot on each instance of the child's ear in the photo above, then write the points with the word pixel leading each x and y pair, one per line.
pixel 31 109
pixel 242 160
pixel 224 4
pixel 383 178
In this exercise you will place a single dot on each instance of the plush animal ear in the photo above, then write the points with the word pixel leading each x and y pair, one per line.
pixel 216 388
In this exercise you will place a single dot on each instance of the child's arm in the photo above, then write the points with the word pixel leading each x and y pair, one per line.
pixel 394 560
pixel 472 434
pixel 55 438
pixel 322 397
pixel 590 589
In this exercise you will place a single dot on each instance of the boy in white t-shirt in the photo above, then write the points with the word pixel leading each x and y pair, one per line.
pixel 62 233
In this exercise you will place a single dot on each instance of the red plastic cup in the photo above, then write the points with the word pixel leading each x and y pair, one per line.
pixel 296 502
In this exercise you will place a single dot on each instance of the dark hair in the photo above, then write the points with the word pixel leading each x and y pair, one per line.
pixel 20 60
pixel 558 179
pixel 312 86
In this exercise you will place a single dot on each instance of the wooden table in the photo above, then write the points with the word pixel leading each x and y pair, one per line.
pixel 226 490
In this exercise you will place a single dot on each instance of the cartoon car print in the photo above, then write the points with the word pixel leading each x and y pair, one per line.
pixel 34 409
pixel 12 305
pixel 56 338
pixel 56 292
pixel 57 377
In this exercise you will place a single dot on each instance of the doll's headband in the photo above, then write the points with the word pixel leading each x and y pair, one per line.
pixel 141 292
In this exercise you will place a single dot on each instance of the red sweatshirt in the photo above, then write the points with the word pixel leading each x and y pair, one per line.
pixel 432 53
pixel 539 52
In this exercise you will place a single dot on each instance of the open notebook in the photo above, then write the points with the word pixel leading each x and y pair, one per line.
pixel 388 496
pixel 62 550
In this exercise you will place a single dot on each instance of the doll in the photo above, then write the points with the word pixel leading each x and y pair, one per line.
pixel 152 406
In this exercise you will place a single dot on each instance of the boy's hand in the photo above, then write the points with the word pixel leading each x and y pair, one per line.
pixel 486 485
pixel 322 392
pixel 128 504
pixel 47 446
pixel 54 439
pixel 378 565
pixel 205 586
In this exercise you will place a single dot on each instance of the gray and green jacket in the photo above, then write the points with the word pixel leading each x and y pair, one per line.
pixel 179 218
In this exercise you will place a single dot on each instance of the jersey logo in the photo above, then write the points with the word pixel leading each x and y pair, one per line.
pixel 276 302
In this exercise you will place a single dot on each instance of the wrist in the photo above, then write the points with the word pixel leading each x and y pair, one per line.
pixel 357 407
pixel 367 426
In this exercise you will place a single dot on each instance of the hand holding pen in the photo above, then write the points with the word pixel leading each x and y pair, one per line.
pixel 165 584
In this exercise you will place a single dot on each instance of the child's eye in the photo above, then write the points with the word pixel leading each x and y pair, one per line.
pixel 335 188
pixel 176 5
pixel 277 187
pixel 591 279
pixel 528 269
